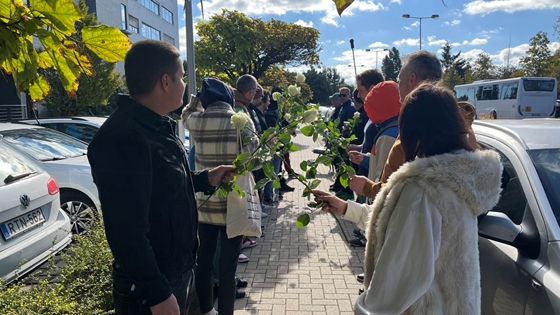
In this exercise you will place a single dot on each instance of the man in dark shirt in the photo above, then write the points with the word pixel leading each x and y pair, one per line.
pixel 146 188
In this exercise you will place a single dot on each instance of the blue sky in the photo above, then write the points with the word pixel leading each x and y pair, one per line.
pixel 471 26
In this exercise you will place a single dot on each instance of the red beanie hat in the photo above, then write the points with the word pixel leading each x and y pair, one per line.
pixel 383 102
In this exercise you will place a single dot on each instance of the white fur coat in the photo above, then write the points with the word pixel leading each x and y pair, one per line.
pixel 460 186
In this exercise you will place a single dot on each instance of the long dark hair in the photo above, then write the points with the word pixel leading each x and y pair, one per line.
pixel 430 123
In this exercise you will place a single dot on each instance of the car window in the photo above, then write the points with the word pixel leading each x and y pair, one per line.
pixel 547 164
pixel 13 163
pixel 512 201
pixel 80 131
pixel 45 144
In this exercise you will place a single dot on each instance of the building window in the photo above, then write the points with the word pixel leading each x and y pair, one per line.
pixel 123 17
pixel 151 5
pixel 150 32
pixel 167 15
pixel 169 39
pixel 133 24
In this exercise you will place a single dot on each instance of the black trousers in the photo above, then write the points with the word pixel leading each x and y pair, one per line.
pixel 126 303
pixel 230 248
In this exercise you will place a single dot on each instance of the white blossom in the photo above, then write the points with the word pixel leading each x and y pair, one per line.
pixel 239 121
pixel 276 96
pixel 300 78
pixel 310 115
pixel 294 90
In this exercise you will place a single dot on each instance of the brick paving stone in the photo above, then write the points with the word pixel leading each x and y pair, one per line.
pixel 307 271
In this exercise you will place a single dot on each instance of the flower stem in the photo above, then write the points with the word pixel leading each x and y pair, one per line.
pixel 340 226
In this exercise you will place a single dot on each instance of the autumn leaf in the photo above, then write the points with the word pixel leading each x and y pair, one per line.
pixel 341 5
pixel 39 88
pixel 108 43
pixel 62 13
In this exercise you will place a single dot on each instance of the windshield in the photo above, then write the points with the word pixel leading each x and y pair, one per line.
pixel 547 163
pixel 45 144
pixel 538 85
pixel 14 164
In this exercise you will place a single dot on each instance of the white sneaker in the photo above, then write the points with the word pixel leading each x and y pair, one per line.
pixel 242 258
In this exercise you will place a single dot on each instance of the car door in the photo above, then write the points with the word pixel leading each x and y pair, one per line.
pixel 506 272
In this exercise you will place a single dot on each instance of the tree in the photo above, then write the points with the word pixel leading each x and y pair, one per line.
pixel 455 69
pixel 233 44
pixel 92 90
pixel 324 83
pixel 483 68
pixel 537 61
pixel 52 23
pixel 391 65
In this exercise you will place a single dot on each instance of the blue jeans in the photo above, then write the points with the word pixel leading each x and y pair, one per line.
pixel 268 188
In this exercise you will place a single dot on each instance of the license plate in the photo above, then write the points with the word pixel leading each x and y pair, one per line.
pixel 528 109
pixel 21 224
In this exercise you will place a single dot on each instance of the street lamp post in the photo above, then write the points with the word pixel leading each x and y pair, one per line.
pixel 420 18
pixel 376 52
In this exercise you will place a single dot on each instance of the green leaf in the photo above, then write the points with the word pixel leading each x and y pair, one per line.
pixel 39 88
pixel 307 130
pixel 323 159
pixel 251 165
pixel 312 204
pixel 306 192
pixel 301 178
pixel 344 180
pixel 311 173
pixel 242 158
pixel 62 13
pixel 246 140
pixel 314 184
pixel 276 183
pixel 351 170
pixel 315 137
pixel 303 165
pixel 303 220
pixel 294 148
pixel 261 183
pixel 108 43
pixel 284 138
pixel 238 190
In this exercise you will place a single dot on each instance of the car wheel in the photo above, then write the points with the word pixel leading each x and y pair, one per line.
pixel 80 209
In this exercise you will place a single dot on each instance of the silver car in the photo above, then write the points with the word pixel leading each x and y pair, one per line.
pixel 32 226
pixel 519 239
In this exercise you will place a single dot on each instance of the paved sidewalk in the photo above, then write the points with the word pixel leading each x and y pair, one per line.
pixel 301 270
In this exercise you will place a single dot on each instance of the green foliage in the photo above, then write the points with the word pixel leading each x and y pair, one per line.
pixel 94 89
pixel 85 286
pixel 233 44
pixel 52 23
pixel 538 59
pixel 391 65
pixel 323 83
pixel 483 68
pixel 455 69
pixel 303 220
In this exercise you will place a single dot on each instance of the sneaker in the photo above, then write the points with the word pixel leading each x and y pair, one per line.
pixel 248 243
pixel 360 278
pixel 358 242
pixel 242 259
pixel 357 232
pixel 241 283
pixel 360 291
pixel 239 294
pixel 264 215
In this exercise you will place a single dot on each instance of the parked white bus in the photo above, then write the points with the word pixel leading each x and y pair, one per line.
pixel 515 98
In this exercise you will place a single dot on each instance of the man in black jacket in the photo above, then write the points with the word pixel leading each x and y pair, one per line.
pixel 146 188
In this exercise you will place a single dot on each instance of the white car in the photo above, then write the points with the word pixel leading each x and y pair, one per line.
pixel 82 127
pixel 32 226
pixel 64 157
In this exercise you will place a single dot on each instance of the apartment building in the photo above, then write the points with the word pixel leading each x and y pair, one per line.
pixel 140 19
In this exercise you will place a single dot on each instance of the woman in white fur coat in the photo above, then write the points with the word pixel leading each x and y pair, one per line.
pixel 422 249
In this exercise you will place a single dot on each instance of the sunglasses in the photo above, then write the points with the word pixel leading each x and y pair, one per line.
pixel 343 95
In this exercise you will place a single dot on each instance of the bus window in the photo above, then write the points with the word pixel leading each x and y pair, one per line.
pixel 538 85
pixel 461 94
pixel 488 93
pixel 479 93
pixel 509 91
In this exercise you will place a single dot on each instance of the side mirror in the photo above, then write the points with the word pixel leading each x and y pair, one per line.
pixel 498 227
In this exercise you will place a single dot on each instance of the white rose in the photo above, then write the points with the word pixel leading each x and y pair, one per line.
pixel 239 121
pixel 276 96
pixel 300 78
pixel 288 117
pixel 294 90
pixel 310 116
pixel 356 115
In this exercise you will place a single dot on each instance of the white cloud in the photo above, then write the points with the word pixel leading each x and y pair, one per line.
pixel 275 7
pixel 512 54
pixel 488 6
pixel 377 44
pixel 303 23
pixel 396 1
pixel 452 23
pixel 439 42
pixel 471 54
pixel 406 28
pixel 406 41
pixel 488 32
pixel 341 42
pixel 476 42
pixel 415 24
